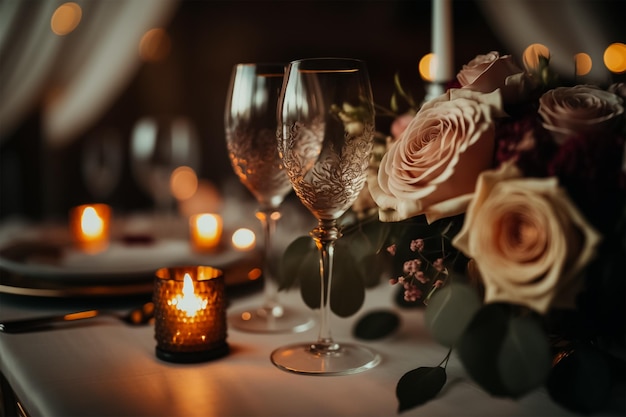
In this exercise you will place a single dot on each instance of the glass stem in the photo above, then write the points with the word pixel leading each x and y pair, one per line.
pixel 325 236
pixel 268 218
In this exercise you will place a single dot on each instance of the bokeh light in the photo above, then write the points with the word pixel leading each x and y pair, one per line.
pixel 183 182
pixel 154 45
pixel 583 63
pixel 532 53
pixel 427 67
pixel 243 239
pixel 66 18
pixel 615 57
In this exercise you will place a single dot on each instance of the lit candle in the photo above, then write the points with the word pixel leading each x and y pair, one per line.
pixel 243 239
pixel 205 231
pixel 190 314
pixel 442 41
pixel 189 302
pixel 89 226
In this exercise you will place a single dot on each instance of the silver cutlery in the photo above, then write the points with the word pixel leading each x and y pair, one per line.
pixel 136 317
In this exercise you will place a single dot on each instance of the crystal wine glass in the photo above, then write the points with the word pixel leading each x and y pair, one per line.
pixel 327 118
pixel 251 127
pixel 159 145
pixel 101 162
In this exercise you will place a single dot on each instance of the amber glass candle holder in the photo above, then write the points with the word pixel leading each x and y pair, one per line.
pixel 190 314
pixel 90 226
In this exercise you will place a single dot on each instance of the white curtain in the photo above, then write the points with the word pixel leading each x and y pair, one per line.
pixel 71 78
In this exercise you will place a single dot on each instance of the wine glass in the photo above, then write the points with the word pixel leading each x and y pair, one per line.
pixel 101 162
pixel 327 118
pixel 159 145
pixel 251 127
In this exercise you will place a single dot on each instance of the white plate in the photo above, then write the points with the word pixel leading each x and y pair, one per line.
pixel 120 262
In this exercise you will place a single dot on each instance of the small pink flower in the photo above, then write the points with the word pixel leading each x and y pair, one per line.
pixel 411 266
pixel 417 245
pixel 392 249
pixel 438 264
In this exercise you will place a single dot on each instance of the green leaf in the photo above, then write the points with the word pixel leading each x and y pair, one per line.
pixel 347 287
pixel 581 381
pixel 450 310
pixel 310 281
pixel 505 350
pixel 375 266
pixel 296 257
pixel 376 325
pixel 394 102
pixel 419 386
pixel 480 344
pixel 347 292
pixel 524 361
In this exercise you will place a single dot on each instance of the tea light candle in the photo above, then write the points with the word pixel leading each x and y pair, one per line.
pixel 190 314
pixel 205 231
pixel 90 225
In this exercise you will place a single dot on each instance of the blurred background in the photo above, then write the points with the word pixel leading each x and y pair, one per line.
pixel 83 83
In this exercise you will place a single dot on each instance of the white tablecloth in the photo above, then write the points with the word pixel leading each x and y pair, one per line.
pixel 110 369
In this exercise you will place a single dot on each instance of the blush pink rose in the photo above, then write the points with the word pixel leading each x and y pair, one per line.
pixel 582 109
pixel 400 123
pixel 528 240
pixel 488 72
pixel 432 168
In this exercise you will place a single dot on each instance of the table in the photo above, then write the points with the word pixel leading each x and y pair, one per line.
pixel 110 369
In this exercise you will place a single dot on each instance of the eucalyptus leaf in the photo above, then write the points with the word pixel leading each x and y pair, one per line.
pixel 376 325
pixel 296 257
pixel 505 350
pixel 419 386
pixel 373 267
pixel 450 310
pixel 524 361
pixel 310 281
pixel 357 244
pixel 581 381
pixel 479 346
pixel 347 292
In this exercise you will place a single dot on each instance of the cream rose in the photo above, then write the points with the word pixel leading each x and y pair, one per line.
pixel 527 239
pixel 488 72
pixel 432 168
pixel 567 111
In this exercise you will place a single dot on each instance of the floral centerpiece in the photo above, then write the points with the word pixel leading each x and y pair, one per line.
pixel 509 191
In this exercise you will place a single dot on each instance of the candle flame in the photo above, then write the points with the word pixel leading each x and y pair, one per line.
pixel 91 223
pixel 208 225
pixel 189 302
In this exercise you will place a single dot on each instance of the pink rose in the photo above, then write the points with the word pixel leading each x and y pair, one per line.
pixel 528 240
pixel 432 168
pixel 568 111
pixel 486 73
pixel 400 124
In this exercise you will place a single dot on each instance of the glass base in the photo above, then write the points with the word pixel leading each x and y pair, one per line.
pixel 304 359
pixel 277 320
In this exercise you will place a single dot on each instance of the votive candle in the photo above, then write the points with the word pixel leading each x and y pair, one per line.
pixel 190 314
pixel 205 231
pixel 90 226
